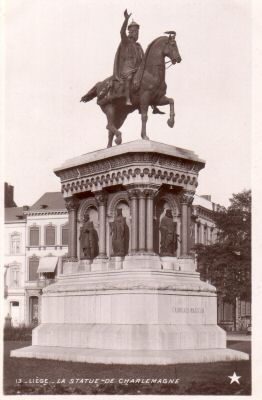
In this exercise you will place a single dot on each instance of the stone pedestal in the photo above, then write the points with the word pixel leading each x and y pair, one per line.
pixel 141 261
pixel 115 263
pixel 141 308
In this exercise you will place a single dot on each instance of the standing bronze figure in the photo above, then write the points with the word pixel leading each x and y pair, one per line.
pixel 169 236
pixel 120 234
pixel 88 239
pixel 138 81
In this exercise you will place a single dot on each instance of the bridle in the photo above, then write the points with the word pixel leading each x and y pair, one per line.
pixel 171 63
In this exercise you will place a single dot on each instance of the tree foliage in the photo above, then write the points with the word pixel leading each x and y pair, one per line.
pixel 227 262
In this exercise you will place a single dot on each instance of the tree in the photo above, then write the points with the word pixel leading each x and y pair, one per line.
pixel 227 263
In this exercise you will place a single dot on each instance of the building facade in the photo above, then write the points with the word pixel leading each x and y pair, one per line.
pixel 36 238
pixel 14 264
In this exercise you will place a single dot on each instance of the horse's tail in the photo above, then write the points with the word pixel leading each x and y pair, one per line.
pixel 90 95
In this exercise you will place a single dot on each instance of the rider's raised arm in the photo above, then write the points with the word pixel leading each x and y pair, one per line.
pixel 124 26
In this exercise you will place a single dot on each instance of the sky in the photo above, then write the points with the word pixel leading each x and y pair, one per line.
pixel 56 50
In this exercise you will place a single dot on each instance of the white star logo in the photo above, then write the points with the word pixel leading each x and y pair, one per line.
pixel 234 378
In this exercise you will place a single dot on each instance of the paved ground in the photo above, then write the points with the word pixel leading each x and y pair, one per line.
pixel 66 377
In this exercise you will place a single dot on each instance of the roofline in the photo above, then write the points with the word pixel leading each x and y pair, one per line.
pixel 16 221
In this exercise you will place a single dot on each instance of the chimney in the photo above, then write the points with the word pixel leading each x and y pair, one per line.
pixel 9 196
pixel 25 208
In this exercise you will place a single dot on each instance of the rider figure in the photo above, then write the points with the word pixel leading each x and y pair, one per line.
pixel 129 56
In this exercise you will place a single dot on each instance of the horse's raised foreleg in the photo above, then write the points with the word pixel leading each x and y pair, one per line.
pixel 163 102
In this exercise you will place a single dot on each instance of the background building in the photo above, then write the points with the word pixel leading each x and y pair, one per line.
pixel 205 229
pixel 14 263
pixel 35 239
pixel 46 241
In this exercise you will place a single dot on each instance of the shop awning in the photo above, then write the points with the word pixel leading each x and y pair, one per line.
pixel 47 264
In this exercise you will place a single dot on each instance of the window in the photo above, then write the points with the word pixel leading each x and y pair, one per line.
pixel 34 236
pixel 65 235
pixel 33 266
pixel 14 276
pixel 15 243
pixel 50 235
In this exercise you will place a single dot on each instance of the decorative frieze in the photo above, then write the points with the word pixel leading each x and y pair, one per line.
pixel 46 212
pixel 132 175
pixel 126 160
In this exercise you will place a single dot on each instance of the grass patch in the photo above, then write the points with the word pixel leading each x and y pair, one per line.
pixel 206 378
pixel 20 333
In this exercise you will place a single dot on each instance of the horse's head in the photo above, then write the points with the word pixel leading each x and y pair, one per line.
pixel 171 49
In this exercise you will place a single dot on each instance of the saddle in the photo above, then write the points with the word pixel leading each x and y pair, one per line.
pixel 112 88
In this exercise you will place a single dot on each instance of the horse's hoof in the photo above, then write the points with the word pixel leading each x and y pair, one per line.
pixel 145 137
pixel 118 139
pixel 170 123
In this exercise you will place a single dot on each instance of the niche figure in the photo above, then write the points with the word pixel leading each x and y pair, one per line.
pixel 88 239
pixel 120 234
pixel 169 237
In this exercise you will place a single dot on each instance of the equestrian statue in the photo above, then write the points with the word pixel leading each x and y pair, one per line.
pixel 138 80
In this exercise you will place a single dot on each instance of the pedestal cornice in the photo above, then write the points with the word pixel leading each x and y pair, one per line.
pixel 137 164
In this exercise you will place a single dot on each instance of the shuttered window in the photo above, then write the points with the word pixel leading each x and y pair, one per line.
pixel 33 266
pixel 15 243
pixel 65 235
pixel 34 236
pixel 50 235
pixel 14 277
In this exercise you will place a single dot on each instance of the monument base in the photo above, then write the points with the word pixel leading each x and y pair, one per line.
pixel 130 316
pixel 142 357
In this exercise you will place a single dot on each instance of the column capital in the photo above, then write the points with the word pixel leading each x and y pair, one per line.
pixel 141 194
pixel 72 203
pixel 141 190
pixel 150 193
pixel 187 197
pixel 101 198
pixel 132 193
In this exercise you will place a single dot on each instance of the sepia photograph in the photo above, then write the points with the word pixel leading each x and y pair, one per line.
pixel 126 255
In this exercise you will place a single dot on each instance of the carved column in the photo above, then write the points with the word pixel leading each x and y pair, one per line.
pixel 149 220
pixel 133 193
pixel 72 205
pixel 186 201
pixel 178 253
pixel 101 198
pixel 142 220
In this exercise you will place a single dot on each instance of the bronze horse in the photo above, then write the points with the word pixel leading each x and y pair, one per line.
pixel 151 91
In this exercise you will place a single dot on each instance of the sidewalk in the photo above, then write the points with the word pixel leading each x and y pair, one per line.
pixel 238 336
